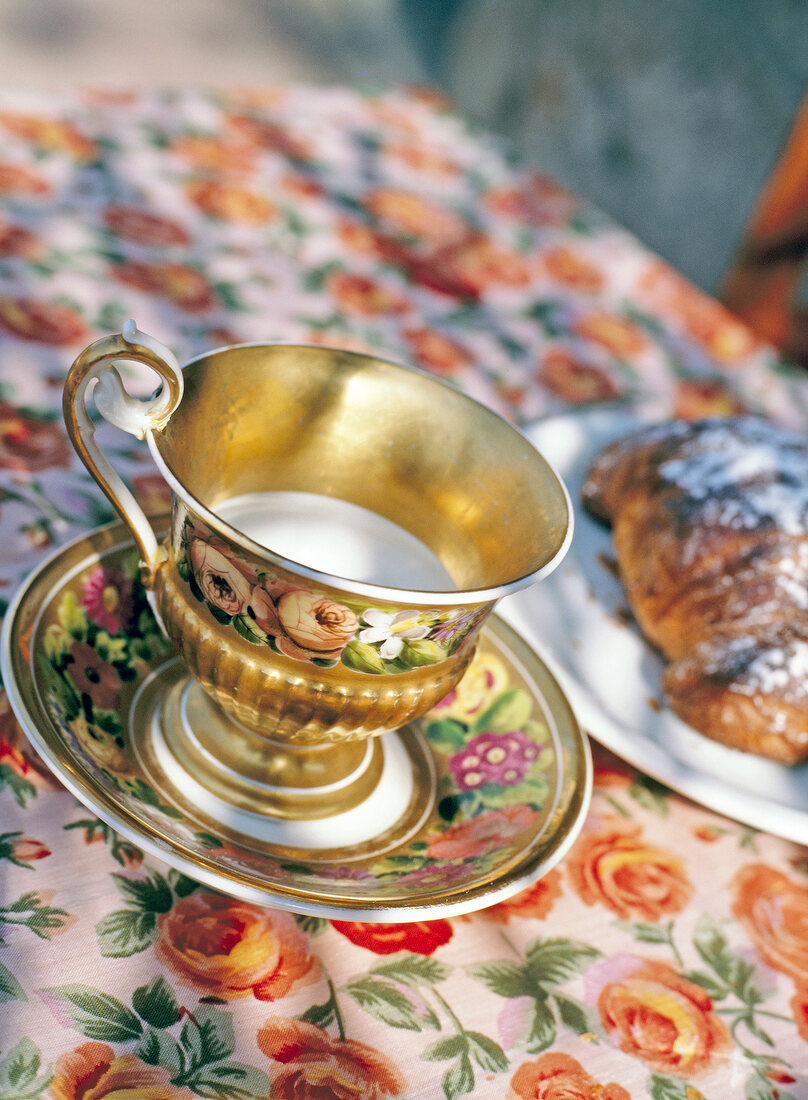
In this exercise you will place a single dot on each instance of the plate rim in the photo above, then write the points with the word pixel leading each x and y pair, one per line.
pixel 114 535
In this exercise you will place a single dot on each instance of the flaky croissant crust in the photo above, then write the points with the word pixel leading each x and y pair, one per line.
pixel 710 528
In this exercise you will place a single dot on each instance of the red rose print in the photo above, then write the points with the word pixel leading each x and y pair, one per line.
pixel 574 380
pixel 422 937
pixel 29 442
pixel 535 902
pixel 143 227
pixel 566 266
pixel 180 284
pixel 42 322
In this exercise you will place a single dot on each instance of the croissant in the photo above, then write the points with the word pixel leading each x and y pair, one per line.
pixel 710 526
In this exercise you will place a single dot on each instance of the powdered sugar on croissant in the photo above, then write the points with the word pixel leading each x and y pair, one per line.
pixel 710 526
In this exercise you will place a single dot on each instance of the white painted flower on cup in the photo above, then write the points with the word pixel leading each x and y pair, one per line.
pixel 222 583
pixel 392 629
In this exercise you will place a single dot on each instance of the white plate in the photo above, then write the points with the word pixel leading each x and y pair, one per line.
pixel 612 676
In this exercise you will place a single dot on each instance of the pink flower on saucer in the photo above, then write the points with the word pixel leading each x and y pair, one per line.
pixel 482 834
pixel 494 758
pixel 107 598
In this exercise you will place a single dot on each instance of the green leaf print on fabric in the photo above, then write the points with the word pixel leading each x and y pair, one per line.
pixel 545 965
pixel 20 1077
pixel 125 932
pixel 10 988
pixel 96 1014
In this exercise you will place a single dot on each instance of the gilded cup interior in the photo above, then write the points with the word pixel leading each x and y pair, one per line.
pixel 259 418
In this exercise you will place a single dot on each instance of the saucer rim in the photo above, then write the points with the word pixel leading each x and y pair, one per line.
pixel 173 851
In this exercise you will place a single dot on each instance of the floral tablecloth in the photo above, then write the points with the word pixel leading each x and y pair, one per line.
pixel 667 955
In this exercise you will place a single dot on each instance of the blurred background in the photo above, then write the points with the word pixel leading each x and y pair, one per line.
pixel 669 115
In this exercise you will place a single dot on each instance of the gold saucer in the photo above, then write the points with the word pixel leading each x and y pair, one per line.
pixel 499 772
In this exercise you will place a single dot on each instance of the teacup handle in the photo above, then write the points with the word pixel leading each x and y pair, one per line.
pixel 96 364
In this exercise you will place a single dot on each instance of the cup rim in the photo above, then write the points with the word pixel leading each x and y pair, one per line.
pixel 383 593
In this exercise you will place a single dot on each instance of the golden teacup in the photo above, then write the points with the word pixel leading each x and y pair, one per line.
pixel 342 526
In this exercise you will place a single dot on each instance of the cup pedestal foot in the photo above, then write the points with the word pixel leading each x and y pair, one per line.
pixel 298 798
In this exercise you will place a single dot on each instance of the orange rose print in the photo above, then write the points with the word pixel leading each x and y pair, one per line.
pixel 49 134
pixel 361 240
pixel 24 849
pixel 358 294
pixel 42 322
pixel 93 1071
pixel 143 227
pixel 263 134
pixel 16 179
pixel 334 339
pixel 16 240
pixel 180 284
pixel 574 380
pixel 557 1076
pixel 535 902
pixel 621 337
pixel 416 155
pixel 696 398
pixel 232 949
pixel 568 267
pixel 410 215
pixel 480 264
pixel 208 151
pixel 313 1066
pixel 301 186
pixel 774 911
pixel 437 352
pixel 29 442
pixel 11 754
pixel 231 203
pixel 612 866
pixel 704 318
pixel 538 201
pixel 654 1014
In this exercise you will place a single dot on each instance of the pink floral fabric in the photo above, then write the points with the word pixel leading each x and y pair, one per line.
pixel 667 956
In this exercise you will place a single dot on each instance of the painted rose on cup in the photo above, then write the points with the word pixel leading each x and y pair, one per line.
pixel 307 625
pixel 220 580
pixel 316 626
